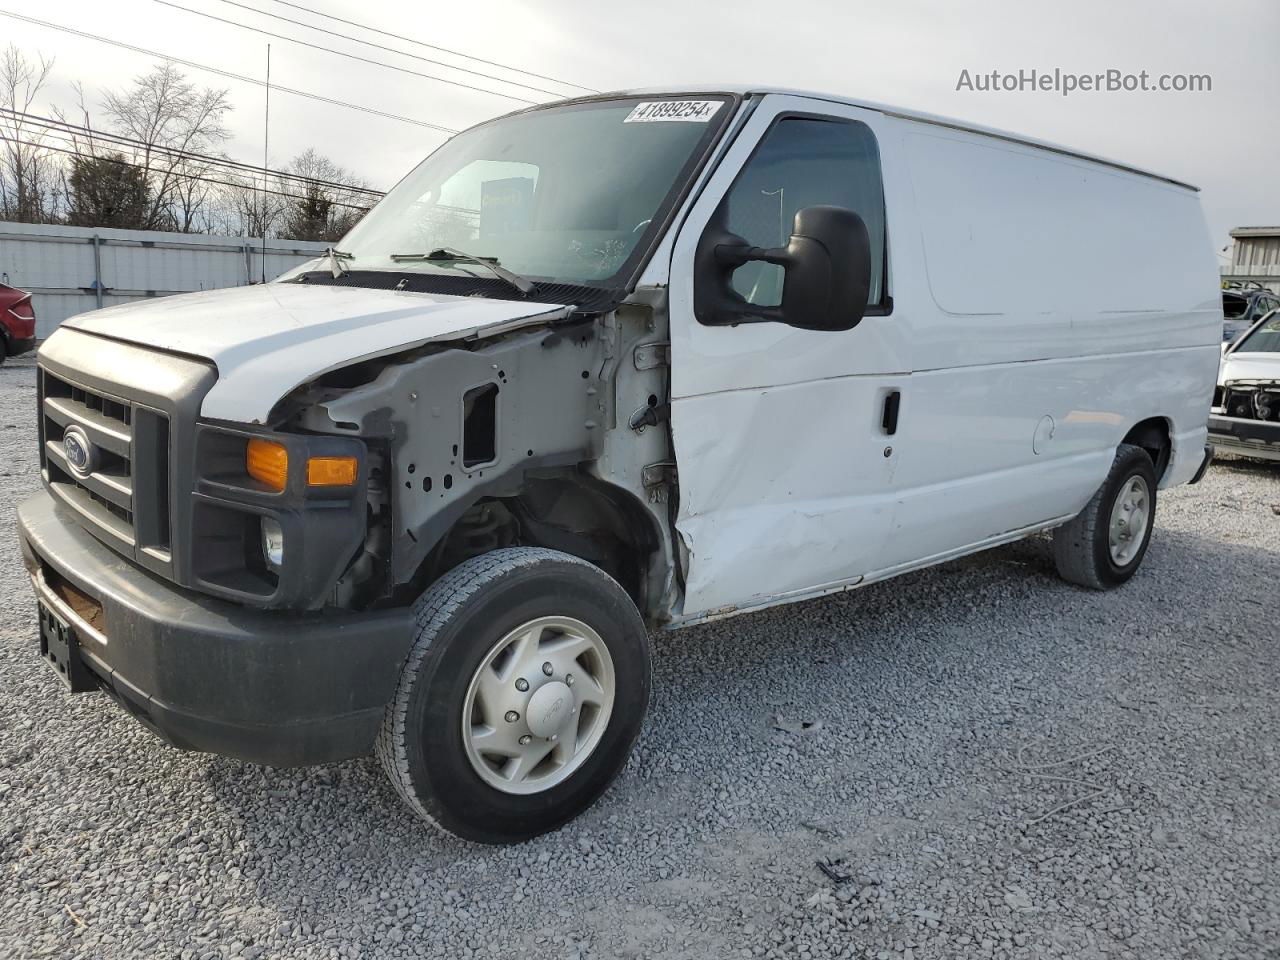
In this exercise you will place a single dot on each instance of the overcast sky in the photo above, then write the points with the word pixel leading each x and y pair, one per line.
pixel 908 53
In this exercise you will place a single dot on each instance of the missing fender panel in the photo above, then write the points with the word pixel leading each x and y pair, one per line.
pixel 480 425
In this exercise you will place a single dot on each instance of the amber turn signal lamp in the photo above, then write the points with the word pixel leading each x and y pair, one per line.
pixel 267 462
pixel 331 472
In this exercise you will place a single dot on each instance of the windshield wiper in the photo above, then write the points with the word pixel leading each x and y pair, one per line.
pixel 336 257
pixel 449 254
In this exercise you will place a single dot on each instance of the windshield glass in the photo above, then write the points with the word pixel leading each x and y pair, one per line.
pixel 568 194
pixel 1265 337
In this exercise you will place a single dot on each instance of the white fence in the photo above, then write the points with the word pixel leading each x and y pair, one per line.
pixel 69 270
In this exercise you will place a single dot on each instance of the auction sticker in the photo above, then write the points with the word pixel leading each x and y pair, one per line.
pixel 686 111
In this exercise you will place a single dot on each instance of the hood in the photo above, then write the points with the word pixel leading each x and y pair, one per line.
pixel 268 339
pixel 1249 366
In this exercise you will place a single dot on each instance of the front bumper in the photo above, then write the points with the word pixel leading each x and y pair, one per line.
pixel 1250 438
pixel 279 688
pixel 20 345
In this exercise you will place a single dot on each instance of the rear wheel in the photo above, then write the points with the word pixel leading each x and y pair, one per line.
pixel 1104 546
pixel 521 698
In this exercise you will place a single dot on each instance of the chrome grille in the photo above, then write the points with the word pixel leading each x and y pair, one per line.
pixel 124 492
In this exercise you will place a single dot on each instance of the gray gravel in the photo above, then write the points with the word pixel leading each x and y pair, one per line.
pixel 991 764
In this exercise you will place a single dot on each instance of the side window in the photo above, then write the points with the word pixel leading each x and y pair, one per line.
pixel 803 162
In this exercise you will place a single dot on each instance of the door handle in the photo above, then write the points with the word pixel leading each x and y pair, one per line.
pixel 889 416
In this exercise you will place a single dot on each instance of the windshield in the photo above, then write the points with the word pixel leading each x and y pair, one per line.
pixel 1265 337
pixel 568 194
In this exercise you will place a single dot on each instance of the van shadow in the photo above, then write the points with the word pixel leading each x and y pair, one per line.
pixel 970 621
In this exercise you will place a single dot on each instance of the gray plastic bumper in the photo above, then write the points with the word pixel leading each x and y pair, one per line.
pixel 286 689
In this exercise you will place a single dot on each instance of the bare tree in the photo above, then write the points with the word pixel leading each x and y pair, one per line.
pixel 329 204
pixel 29 171
pixel 79 124
pixel 243 209
pixel 171 118
pixel 152 160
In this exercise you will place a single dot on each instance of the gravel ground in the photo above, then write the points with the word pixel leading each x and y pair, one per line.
pixel 990 763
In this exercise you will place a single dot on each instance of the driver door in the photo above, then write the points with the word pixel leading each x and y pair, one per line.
pixel 784 452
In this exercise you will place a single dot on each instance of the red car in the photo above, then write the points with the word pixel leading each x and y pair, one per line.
pixel 17 322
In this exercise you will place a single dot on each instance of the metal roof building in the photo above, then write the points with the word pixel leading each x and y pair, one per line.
pixel 1255 256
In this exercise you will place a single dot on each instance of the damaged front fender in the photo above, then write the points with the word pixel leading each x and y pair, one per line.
pixel 462 424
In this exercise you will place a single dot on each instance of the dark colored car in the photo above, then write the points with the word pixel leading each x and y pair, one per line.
pixel 17 322
pixel 1242 307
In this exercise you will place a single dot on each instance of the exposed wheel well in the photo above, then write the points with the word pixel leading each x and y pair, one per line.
pixel 562 510
pixel 1152 435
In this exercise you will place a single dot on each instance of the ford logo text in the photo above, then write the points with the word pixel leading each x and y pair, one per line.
pixel 81 454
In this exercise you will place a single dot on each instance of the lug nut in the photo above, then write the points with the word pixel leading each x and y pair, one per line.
pixel 522 684
pixel 512 716
pixel 526 740
pixel 547 668
pixel 568 679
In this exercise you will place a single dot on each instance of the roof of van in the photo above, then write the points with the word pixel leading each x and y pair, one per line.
pixel 896 112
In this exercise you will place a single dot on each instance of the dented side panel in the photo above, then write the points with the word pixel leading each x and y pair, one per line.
pixel 783 488
pixel 786 472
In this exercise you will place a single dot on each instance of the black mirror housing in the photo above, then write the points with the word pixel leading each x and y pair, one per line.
pixel 828 270
pixel 827 264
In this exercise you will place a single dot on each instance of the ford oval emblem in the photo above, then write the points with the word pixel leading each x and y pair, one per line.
pixel 82 456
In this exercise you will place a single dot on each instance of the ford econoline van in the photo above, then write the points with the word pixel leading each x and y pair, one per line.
pixel 606 365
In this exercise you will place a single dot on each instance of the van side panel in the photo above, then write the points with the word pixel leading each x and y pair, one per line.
pixel 1054 304
pixel 1030 255
pixel 1042 305
pixel 784 479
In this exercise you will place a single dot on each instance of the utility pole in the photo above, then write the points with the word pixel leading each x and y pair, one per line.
pixel 266 139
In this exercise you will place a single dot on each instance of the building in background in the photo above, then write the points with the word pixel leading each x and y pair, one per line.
pixel 70 270
pixel 1255 258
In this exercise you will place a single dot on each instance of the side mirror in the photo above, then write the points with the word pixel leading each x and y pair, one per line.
pixel 827 273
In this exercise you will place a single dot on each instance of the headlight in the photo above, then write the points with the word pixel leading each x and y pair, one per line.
pixel 272 543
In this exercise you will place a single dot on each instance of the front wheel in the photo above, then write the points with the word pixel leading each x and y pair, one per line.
pixel 522 696
pixel 1104 546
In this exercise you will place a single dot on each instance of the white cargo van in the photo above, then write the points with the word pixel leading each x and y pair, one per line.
pixel 630 361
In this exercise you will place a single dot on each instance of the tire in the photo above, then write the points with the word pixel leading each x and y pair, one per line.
pixel 429 751
pixel 1083 550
